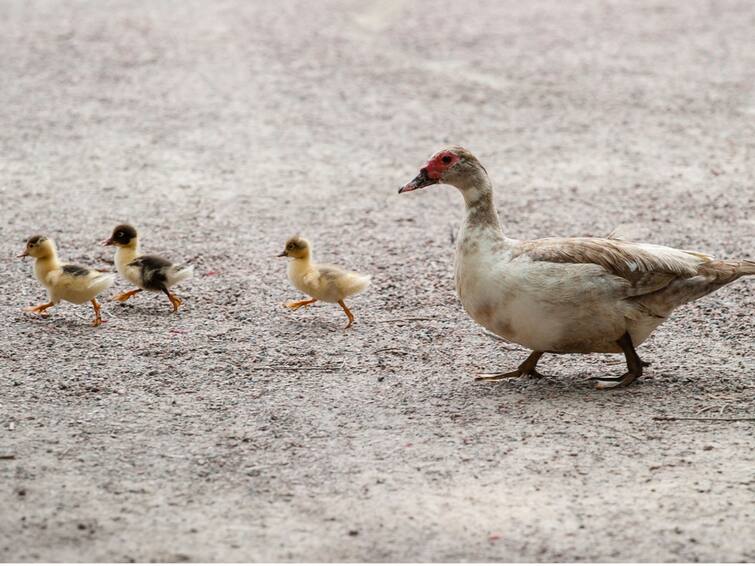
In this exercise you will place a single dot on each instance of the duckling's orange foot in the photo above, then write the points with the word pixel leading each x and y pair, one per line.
pixel 126 295
pixel 348 314
pixel 41 310
pixel 97 316
pixel 176 302
pixel 296 305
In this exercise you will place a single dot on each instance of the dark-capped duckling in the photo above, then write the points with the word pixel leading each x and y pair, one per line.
pixel 147 272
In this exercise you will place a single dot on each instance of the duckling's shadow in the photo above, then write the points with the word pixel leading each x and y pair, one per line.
pixel 317 326
pixel 57 322
pixel 122 310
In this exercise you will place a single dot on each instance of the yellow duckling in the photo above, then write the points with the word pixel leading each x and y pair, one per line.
pixel 64 282
pixel 321 282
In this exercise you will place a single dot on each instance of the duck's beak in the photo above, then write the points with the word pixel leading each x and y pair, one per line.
pixel 284 253
pixel 420 181
pixel 23 254
pixel 108 242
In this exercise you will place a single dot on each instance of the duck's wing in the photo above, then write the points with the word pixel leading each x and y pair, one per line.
pixel 330 272
pixel 153 271
pixel 75 270
pixel 639 264
pixel 347 282
pixel 324 275
pixel 659 277
pixel 78 277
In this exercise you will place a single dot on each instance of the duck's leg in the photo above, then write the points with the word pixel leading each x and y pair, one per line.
pixel 296 305
pixel 40 309
pixel 634 365
pixel 526 368
pixel 175 301
pixel 348 313
pixel 126 295
pixel 97 318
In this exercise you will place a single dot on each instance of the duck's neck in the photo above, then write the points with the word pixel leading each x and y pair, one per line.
pixel 299 266
pixel 44 265
pixel 482 216
pixel 126 254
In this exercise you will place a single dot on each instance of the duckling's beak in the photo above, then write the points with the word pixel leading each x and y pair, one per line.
pixel 284 253
pixel 420 181
pixel 108 242
pixel 23 254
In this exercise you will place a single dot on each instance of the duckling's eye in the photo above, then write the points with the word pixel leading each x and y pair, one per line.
pixel 446 159
pixel 119 235
pixel 290 246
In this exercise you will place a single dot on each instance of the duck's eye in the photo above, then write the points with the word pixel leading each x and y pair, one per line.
pixel 290 246
pixel 446 159
pixel 119 235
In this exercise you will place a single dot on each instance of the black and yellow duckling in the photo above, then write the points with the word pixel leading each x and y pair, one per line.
pixel 64 281
pixel 147 272
pixel 321 282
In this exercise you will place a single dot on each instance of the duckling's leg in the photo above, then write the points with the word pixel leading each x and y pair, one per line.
pixel 40 309
pixel 634 365
pixel 296 305
pixel 175 301
pixel 97 318
pixel 126 295
pixel 526 368
pixel 348 313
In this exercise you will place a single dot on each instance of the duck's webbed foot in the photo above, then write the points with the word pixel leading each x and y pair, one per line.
pixel 296 305
pixel 126 295
pixel 97 316
pixel 526 368
pixel 348 314
pixel 174 301
pixel 634 365
pixel 40 309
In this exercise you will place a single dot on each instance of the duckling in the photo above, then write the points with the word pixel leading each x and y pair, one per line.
pixel 66 282
pixel 147 272
pixel 321 282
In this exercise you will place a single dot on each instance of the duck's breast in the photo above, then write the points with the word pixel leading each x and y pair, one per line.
pixel 542 306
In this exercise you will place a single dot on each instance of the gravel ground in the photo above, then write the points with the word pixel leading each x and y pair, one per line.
pixel 236 430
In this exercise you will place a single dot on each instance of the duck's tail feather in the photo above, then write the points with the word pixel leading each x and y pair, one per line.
pixel 358 283
pixel 178 273
pixel 746 267
pixel 711 276
pixel 102 281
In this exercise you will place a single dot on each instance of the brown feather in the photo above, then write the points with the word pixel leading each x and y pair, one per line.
pixel 625 259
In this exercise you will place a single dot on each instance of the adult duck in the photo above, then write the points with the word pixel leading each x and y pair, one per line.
pixel 565 295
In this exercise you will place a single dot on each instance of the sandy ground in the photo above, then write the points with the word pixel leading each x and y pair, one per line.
pixel 239 431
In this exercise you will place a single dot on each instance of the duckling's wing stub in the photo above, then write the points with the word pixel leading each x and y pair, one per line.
pixel 76 270
pixel 153 271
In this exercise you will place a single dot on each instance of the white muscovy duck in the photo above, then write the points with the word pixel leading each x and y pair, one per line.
pixel 565 295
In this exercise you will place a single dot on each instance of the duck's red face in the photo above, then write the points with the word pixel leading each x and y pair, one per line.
pixel 432 173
